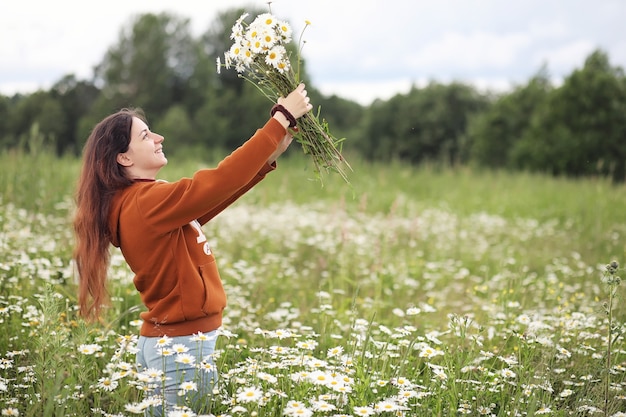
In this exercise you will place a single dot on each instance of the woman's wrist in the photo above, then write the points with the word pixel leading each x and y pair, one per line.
pixel 279 108
pixel 281 119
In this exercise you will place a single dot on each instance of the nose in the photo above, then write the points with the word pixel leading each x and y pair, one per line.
pixel 158 138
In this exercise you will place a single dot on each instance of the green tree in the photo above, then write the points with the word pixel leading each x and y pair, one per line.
pixel 231 116
pixel 177 125
pixel 425 124
pixel 216 40
pixel 6 136
pixel 40 111
pixel 495 133
pixel 150 66
pixel 344 118
pixel 233 108
pixel 581 128
pixel 76 98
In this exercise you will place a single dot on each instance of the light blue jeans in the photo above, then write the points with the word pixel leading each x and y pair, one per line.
pixel 183 359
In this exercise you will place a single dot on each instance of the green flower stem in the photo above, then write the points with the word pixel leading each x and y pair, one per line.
pixel 613 281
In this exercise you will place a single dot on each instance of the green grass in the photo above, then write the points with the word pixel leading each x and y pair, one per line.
pixel 439 291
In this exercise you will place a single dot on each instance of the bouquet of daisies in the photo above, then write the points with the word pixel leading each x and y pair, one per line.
pixel 259 54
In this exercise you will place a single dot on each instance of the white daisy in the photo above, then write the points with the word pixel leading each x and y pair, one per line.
pixel 163 341
pixel 264 19
pixel 185 358
pixel 275 56
pixel 268 39
pixel 107 384
pixel 363 411
pixel 386 406
pixel 188 386
pixel 180 348
pixel 249 395
pixel 320 378
pixel 285 31
pixel 89 349
pixel 335 351
pixel 201 337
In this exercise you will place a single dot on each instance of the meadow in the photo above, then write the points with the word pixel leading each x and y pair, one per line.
pixel 410 292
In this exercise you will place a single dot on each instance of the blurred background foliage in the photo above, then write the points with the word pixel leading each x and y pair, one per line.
pixel 574 129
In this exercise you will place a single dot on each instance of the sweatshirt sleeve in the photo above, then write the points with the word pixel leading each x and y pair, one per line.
pixel 257 178
pixel 167 206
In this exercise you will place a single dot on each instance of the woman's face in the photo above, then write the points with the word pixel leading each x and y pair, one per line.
pixel 144 157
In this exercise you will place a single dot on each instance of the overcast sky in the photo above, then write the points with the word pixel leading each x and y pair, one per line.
pixel 357 49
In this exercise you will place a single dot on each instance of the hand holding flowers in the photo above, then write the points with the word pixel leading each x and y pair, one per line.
pixel 297 103
pixel 259 54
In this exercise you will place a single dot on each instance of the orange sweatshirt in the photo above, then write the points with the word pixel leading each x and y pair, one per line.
pixel 157 227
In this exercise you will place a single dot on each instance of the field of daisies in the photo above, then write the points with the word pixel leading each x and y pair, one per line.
pixel 408 292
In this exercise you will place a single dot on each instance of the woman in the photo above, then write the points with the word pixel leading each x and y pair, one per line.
pixel 157 226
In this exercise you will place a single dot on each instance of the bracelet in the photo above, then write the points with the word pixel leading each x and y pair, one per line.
pixel 283 110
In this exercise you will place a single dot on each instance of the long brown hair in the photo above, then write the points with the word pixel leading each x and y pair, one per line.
pixel 101 176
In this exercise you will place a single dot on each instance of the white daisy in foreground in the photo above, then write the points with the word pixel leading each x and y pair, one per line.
pixel 163 341
pixel 249 394
pixel 267 377
pixel 136 408
pixel 387 406
pixel 295 404
pixel 307 344
pixel 180 348
pixel 150 374
pixel 299 411
pixel 335 351
pixel 107 384
pixel 438 372
pixel 320 378
pixel 413 311
pixel 89 349
pixel 429 352
pixel 201 337
pixel 404 395
pixel 207 366
pixel 188 386
pixel 181 413
pixel 322 406
pixel 363 411
pixel 280 333
pixel 185 358
pixel 402 382
pixel 165 351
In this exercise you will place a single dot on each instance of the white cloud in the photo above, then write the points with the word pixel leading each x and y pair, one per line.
pixel 618 53
pixel 471 52
pixel 358 49
pixel 564 58
pixel 10 88
pixel 552 29
pixel 365 92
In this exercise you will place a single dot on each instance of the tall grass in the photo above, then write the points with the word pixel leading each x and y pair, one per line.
pixel 411 291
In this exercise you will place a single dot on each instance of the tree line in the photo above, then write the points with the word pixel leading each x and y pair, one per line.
pixel 575 129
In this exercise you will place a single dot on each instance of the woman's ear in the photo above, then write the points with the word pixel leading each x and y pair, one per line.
pixel 124 160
